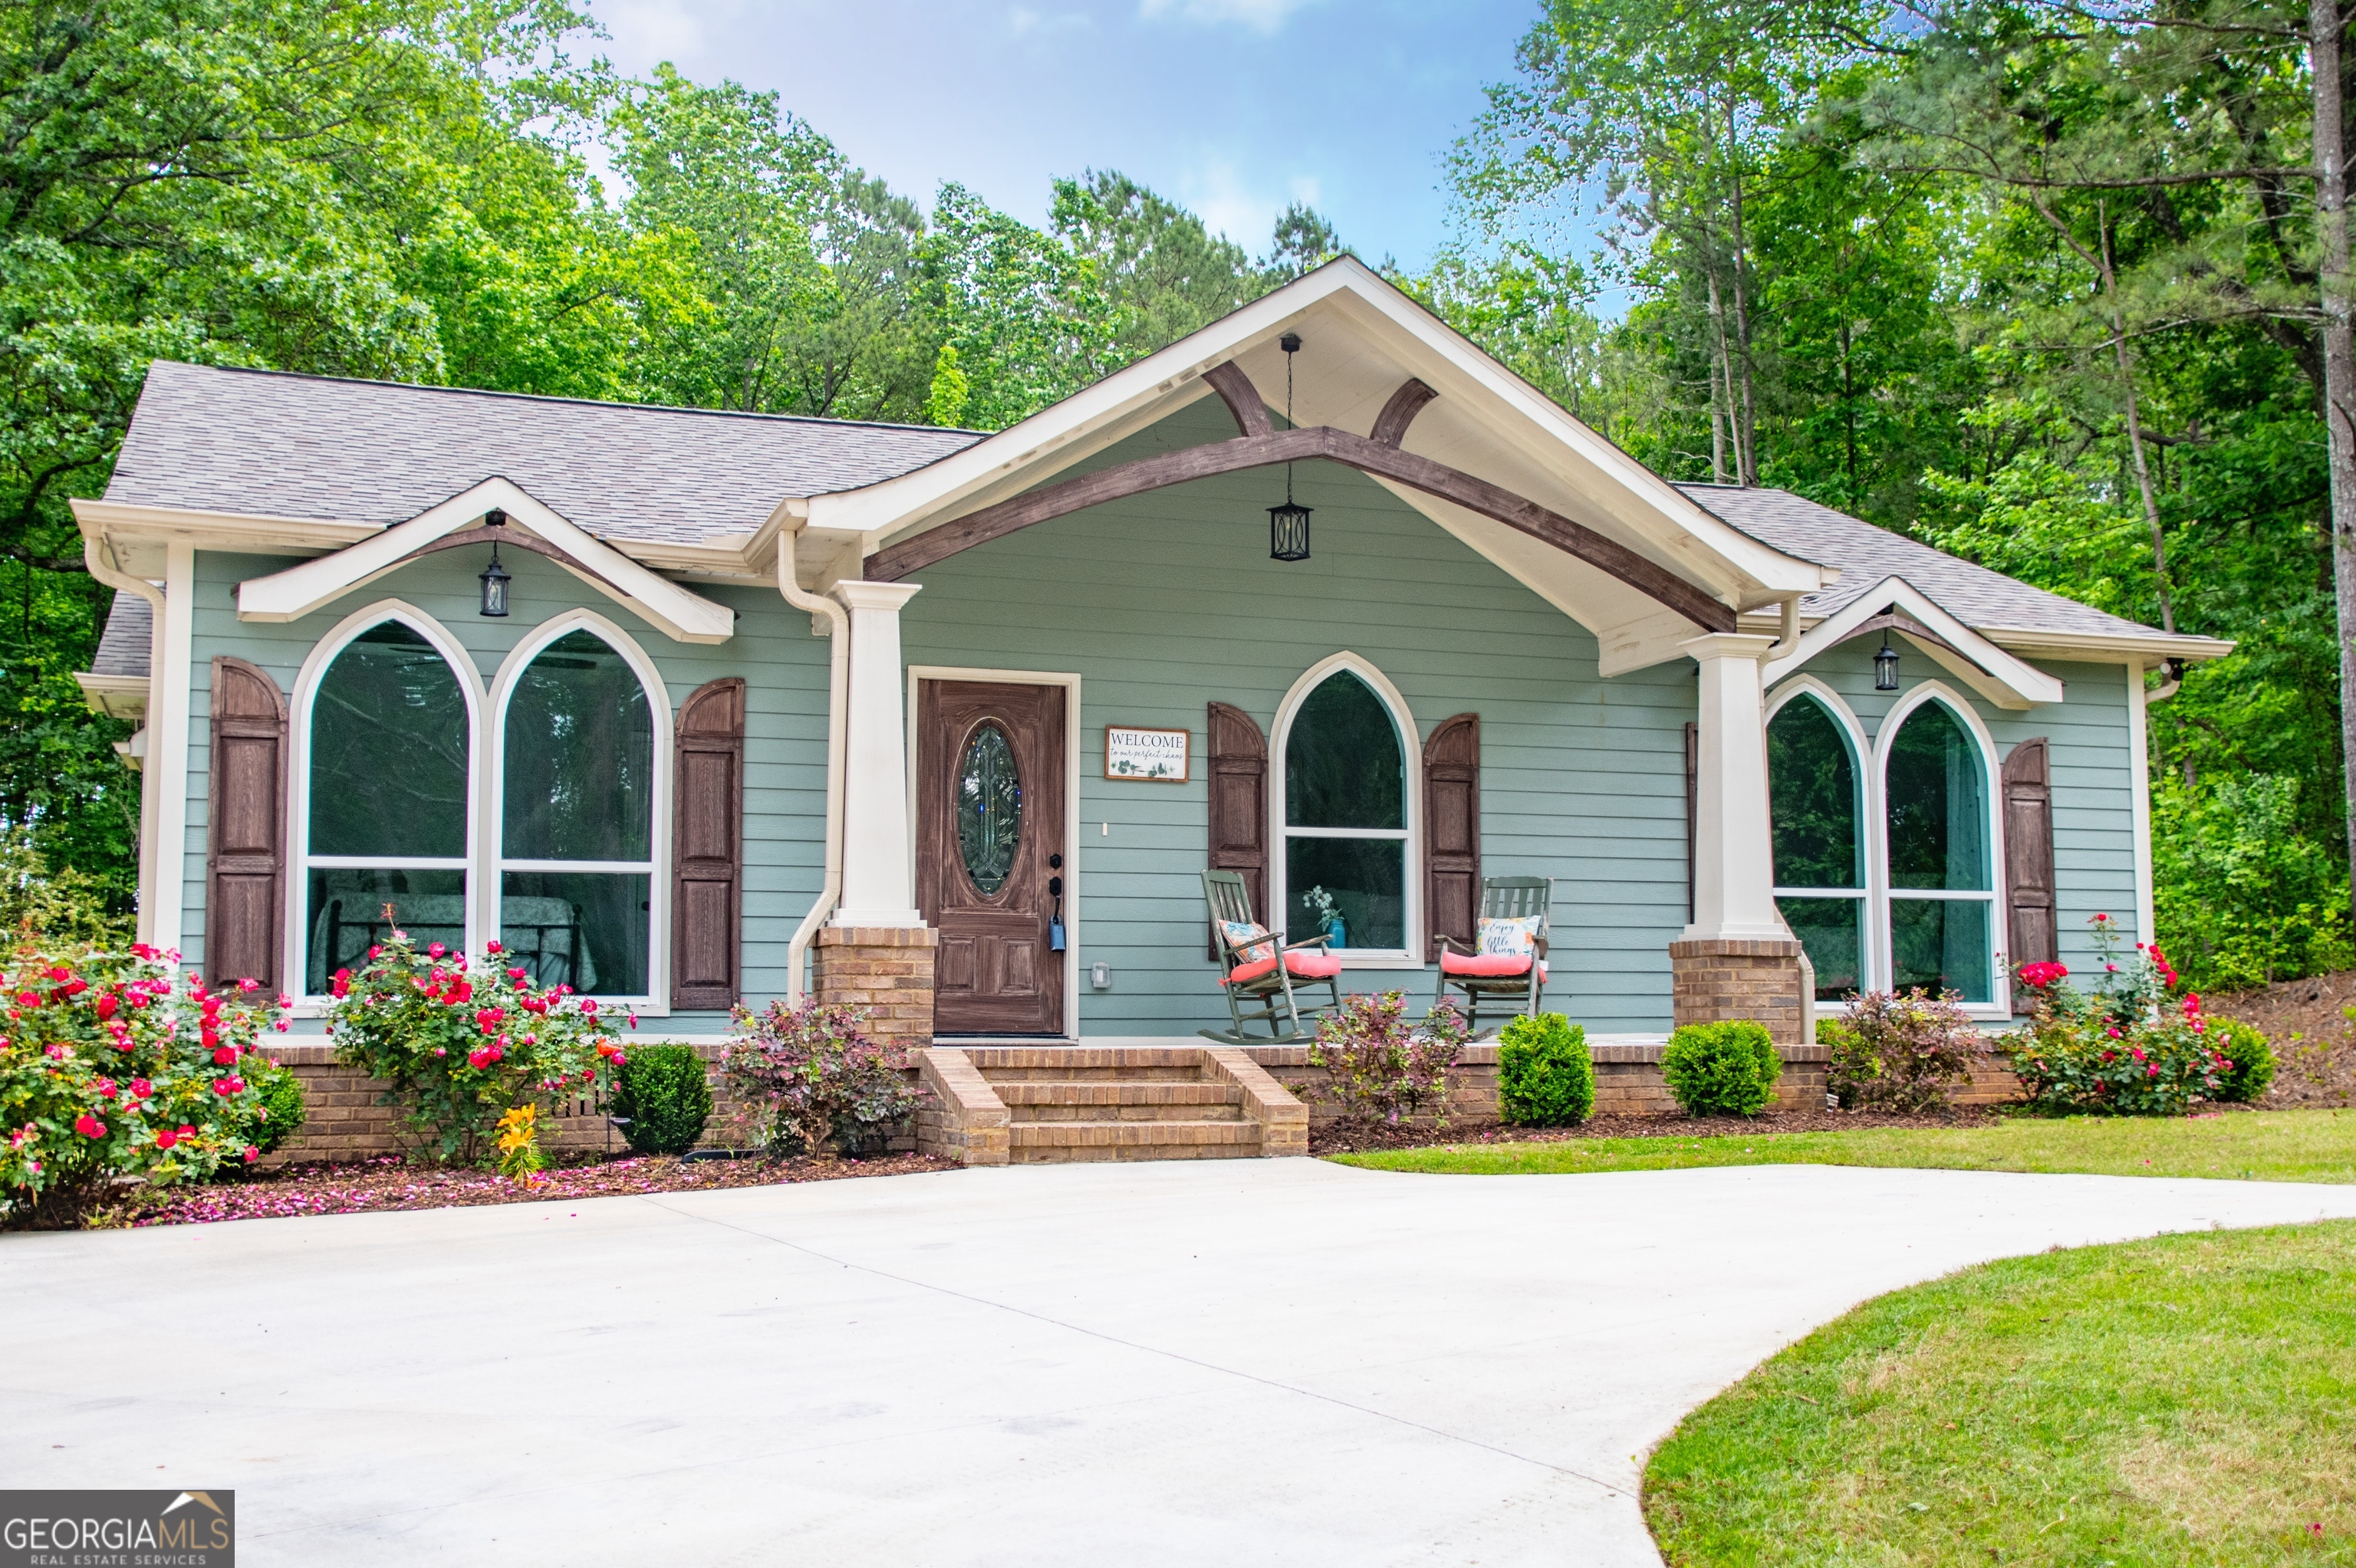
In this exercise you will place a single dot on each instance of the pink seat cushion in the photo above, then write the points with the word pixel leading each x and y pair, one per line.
pixel 1487 966
pixel 1305 966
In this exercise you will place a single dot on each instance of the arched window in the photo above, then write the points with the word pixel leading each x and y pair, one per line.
pixel 388 737
pixel 576 828
pixel 1345 818
pixel 1938 849
pixel 1817 807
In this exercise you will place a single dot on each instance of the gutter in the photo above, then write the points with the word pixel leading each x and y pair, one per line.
pixel 838 702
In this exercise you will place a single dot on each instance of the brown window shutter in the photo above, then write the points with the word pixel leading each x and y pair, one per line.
pixel 708 846
pixel 1451 832
pixel 1239 805
pixel 1693 810
pixel 245 828
pixel 2028 853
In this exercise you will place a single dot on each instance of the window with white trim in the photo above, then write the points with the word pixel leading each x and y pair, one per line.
pixel 576 847
pixel 1345 814
pixel 1815 798
pixel 1938 851
pixel 384 830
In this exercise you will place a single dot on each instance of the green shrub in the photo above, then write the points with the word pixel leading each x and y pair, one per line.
pixel 1723 1069
pixel 1545 1075
pixel 1893 1052
pixel 281 1114
pixel 664 1098
pixel 2253 1059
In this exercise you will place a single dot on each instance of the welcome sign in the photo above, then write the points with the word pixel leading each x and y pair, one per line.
pixel 1146 756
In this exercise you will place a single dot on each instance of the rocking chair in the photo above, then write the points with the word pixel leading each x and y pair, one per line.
pixel 1489 968
pixel 1258 965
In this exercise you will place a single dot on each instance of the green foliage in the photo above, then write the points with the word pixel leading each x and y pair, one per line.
pixel 1379 1068
pixel 1898 1053
pixel 665 1094
pixel 1722 1069
pixel 2250 1062
pixel 812 1075
pixel 281 1106
pixel 1546 1078
pixel 60 906
pixel 2244 895
pixel 458 1043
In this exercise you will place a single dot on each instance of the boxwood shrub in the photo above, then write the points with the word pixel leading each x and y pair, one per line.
pixel 666 1097
pixel 1722 1069
pixel 281 1096
pixel 2252 1058
pixel 1545 1076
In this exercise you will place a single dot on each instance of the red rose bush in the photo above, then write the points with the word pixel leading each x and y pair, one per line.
pixel 458 1043
pixel 2132 1047
pixel 121 1064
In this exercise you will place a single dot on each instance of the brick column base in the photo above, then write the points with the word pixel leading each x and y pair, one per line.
pixel 886 969
pixel 1717 979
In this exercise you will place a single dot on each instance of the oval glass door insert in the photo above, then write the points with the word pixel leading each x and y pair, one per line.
pixel 989 809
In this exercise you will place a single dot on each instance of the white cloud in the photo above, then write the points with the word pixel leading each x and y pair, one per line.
pixel 1259 15
pixel 1244 210
pixel 1023 22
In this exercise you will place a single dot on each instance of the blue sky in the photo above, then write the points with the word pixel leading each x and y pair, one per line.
pixel 1232 107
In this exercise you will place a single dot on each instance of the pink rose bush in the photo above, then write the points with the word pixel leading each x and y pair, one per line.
pixel 122 1065
pixel 2134 1048
pixel 459 1043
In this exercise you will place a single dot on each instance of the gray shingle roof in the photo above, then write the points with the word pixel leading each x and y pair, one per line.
pixel 374 451
pixel 123 647
pixel 1866 554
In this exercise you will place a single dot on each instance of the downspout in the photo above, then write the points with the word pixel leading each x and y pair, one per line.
pixel 2174 671
pixel 1788 642
pixel 838 701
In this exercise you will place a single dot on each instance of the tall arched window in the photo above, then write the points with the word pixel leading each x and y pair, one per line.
pixel 576 830
pixel 1345 818
pixel 1820 884
pixel 388 737
pixel 1942 889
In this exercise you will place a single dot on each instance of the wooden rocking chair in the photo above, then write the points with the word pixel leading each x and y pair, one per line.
pixel 1264 969
pixel 1498 977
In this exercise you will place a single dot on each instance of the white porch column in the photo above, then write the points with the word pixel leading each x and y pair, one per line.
pixel 878 837
pixel 1734 869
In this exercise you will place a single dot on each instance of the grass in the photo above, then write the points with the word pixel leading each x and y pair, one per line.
pixel 2184 1401
pixel 2273 1146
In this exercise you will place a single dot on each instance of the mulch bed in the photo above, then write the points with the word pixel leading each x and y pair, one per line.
pixel 1335 1138
pixel 2307 1023
pixel 392 1182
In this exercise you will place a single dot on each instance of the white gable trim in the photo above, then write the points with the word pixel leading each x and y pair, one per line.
pixel 298 591
pixel 1980 664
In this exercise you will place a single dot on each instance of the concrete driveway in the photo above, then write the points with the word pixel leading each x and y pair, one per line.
pixel 1262 1361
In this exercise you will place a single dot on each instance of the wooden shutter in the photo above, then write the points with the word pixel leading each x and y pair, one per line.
pixel 2028 853
pixel 245 828
pixel 1693 810
pixel 1451 832
pixel 1239 805
pixel 708 846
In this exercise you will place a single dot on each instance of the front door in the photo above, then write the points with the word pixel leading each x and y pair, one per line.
pixel 989 853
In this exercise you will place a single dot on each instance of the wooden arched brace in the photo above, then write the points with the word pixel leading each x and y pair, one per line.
pixel 1236 390
pixel 513 538
pixel 1390 425
pixel 1473 494
pixel 1896 621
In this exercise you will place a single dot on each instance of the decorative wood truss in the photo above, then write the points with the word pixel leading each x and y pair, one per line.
pixel 1261 446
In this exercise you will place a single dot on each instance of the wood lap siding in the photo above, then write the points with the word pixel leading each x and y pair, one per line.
pixel 1451 836
pixel 1238 808
pixel 708 846
pixel 245 838
pixel 2028 877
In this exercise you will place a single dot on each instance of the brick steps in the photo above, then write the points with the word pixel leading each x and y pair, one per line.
pixel 1044 1104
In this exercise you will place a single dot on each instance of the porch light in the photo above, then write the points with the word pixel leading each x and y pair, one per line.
pixel 1287 526
pixel 1885 666
pixel 494 576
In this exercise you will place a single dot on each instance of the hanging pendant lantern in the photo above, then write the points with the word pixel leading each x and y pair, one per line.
pixel 1287 526
pixel 494 577
pixel 1885 666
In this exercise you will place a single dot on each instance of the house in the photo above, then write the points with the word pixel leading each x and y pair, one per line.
pixel 951 723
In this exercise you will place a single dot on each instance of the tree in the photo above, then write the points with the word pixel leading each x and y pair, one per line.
pixel 1165 273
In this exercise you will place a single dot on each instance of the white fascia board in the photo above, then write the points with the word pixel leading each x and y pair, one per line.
pixel 117 696
pixel 291 594
pixel 1984 666
pixel 2148 648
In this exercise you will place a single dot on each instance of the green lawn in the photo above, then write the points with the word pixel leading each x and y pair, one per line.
pixel 2188 1400
pixel 2274 1146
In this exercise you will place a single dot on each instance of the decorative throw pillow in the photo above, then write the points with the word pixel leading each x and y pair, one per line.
pixel 1509 938
pixel 1249 939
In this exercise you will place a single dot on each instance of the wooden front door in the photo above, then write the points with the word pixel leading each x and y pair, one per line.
pixel 989 853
